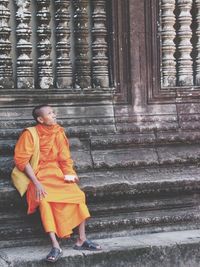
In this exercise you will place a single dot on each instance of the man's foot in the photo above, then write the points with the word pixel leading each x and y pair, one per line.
pixel 54 254
pixel 88 245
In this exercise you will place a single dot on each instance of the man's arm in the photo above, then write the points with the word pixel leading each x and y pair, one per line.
pixel 23 152
pixel 65 161
pixel 40 191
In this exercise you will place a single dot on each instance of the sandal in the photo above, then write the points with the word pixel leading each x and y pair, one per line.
pixel 88 245
pixel 54 255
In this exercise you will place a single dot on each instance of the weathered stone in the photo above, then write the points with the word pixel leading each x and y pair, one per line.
pixel 24 64
pixel 166 249
pixel 6 166
pixel 6 68
pixel 81 40
pixel 99 45
pixel 82 160
pixel 44 46
pixel 168 34
pixel 121 140
pixel 124 158
pixel 185 64
pixel 179 154
pixel 64 76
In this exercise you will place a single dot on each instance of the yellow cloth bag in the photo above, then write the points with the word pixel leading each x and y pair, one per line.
pixel 19 179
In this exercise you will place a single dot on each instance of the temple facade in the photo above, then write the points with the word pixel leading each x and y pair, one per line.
pixel 138 62
pixel 124 79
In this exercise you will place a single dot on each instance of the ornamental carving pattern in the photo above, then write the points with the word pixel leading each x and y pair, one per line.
pixel 64 75
pixel 185 68
pixel 180 58
pixel 6 72
pixel 197 77
pixel 44 66
pixel 82 45
pixel 59 44
pixel 99 45
pixel 24 47
pixel 168 44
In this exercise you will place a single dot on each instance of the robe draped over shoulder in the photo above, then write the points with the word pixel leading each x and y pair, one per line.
pixel 54 162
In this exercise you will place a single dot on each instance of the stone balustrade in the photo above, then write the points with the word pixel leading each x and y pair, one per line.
pixel 180 43
pixel 61 44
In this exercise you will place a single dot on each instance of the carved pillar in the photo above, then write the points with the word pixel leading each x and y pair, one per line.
pixel 168 45
pixel 6 73
pixel 99 45
pixel 185 71
pixel 82 51
pixel 63 65
pixel 45 74
pixel 197 77
pixel 24 46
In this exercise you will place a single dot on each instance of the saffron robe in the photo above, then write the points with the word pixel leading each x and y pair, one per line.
pixel 63 208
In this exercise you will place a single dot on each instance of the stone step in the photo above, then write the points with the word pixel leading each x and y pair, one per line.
pixel 20 229
pixel 169 249
pixel 7 146
pixel 74 128
pixel 124 140
pixel 101 186
pixel 146 156
pixel 139 200
pixel 120 158
pixel 117 140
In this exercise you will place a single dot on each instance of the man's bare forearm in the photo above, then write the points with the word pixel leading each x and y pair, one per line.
pixel 30 173
pixel 40 190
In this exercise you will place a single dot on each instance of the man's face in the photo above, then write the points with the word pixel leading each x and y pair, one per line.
pixel 47 117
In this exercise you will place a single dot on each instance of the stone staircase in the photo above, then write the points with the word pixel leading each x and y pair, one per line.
pixel 138 181
pixel 146 250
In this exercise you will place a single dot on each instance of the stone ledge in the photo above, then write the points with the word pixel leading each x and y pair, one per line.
pixel 146 156
pixel 128 183
pixel 171 249
pixel 20 229
pixel 118 140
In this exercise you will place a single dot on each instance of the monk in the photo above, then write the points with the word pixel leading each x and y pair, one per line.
pixel 53 186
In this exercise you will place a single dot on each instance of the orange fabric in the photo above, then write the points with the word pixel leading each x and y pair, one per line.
pixel 61 218
pixel 55 162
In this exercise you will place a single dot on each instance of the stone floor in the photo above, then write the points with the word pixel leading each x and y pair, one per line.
pixel 170 249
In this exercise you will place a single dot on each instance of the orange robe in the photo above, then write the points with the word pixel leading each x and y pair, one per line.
pixel 63 208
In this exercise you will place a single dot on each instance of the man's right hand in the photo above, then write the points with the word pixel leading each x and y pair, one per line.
pixel 40 191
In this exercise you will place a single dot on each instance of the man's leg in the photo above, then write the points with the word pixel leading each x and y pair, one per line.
pixel 56 251
pixel 50 227
pixel 54 240
pixel 82 237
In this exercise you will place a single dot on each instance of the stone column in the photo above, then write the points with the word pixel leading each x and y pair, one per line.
pixel 99 45
pixel 168 46
pixel 197 76
pixel 185 69
pixel 45 73
pixel 82 50
pixel 64 76
pixel 6 72
pixel 23 32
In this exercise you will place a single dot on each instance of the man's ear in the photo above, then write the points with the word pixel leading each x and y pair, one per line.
pixel 40 119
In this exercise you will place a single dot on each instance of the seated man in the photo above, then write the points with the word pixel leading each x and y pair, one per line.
pixel 52 185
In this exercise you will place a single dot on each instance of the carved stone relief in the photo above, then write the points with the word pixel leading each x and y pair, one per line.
pixel 177 44
pixel 59 44
pixel 6 73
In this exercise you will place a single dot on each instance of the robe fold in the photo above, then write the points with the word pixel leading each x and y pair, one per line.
pixel 63 208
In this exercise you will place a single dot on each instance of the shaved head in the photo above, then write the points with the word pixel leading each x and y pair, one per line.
pixel 37 111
